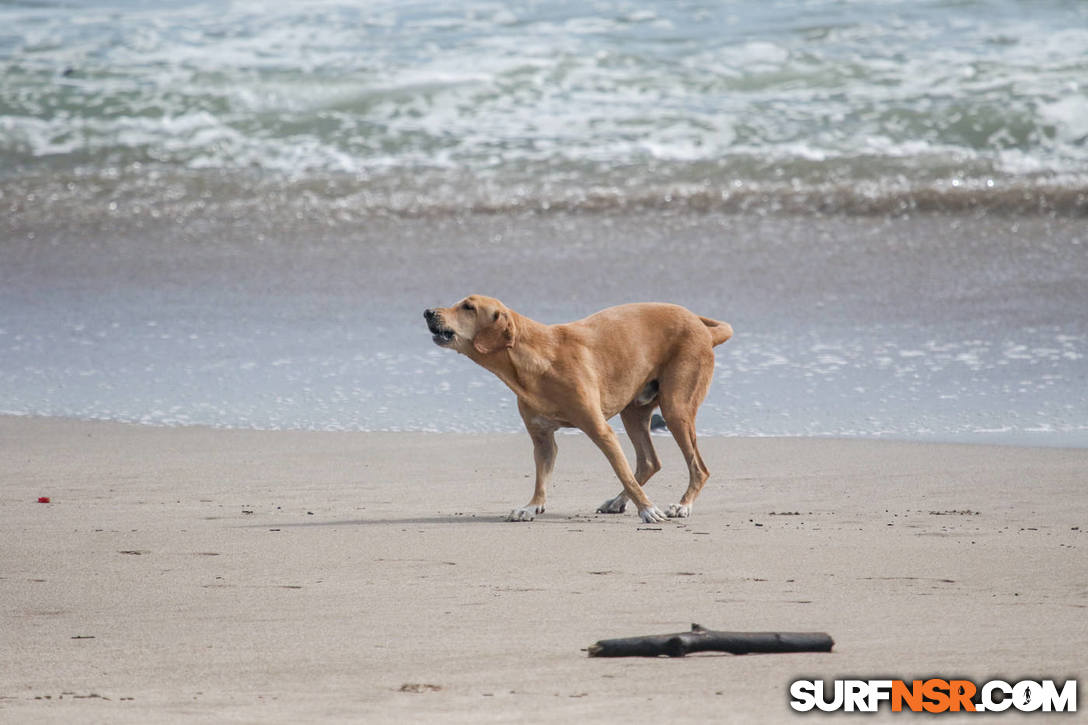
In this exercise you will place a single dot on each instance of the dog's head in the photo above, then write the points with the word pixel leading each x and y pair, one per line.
pixel 475 324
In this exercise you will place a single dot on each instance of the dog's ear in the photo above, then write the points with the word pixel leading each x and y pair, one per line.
pixel 498 334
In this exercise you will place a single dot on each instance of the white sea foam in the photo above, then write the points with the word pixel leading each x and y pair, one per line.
pixel 491 88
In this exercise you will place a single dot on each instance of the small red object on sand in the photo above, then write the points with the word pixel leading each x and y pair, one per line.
pixel 43 499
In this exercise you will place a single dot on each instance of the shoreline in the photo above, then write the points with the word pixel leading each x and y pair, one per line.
pixel 195 573
pixel 1062 440
pixel 932 324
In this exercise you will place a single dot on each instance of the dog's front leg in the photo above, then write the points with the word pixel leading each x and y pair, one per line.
pixel 544 452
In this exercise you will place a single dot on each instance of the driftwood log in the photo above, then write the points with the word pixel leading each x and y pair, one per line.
pixel 700 639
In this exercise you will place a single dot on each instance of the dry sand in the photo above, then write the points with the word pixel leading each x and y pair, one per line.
pixel 238 576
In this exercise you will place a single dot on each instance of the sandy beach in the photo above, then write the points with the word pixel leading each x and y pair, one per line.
pixel 245 576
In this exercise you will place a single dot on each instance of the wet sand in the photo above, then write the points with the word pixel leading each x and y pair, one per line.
pixel 199 574
pixel 938 327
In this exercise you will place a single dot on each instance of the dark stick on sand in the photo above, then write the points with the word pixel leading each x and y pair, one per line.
pixel 707 640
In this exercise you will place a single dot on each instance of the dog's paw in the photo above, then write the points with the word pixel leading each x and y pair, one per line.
pixel 615 505
pixel 678 511
pixel 525 513
pixel 651 515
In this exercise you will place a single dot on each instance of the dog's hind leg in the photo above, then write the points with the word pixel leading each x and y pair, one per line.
pixel 601 433
pixel 684 433
pixel 636 421
pixel 681 395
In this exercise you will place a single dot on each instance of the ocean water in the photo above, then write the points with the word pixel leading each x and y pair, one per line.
pixel 876 105
pixel 233 213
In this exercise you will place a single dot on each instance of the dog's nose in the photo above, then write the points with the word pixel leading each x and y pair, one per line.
pixel 428 315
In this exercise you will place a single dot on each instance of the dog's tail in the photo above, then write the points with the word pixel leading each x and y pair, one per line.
pixel 719 331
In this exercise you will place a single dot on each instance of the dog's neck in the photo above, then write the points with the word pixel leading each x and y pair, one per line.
pixel 522 361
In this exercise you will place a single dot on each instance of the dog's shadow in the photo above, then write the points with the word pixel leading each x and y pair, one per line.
pixel 414 521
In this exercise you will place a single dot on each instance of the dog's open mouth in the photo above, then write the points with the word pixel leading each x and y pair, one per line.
pixel 442 336
pixel 441 333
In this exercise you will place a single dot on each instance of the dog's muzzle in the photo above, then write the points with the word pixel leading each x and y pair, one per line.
pixel 441 334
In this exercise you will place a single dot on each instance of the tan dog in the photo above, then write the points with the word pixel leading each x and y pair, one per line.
pixel 628 359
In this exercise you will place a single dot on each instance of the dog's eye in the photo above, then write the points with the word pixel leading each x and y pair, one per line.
pixel 495 316
pixel 468 306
